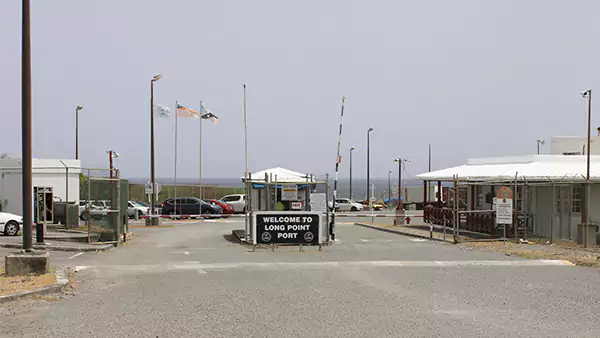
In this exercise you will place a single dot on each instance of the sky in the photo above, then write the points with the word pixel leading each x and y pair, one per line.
pixel 471 78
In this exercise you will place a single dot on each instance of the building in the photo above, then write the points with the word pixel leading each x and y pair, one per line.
pixel 548 193
pixel 47 173
pixel 574 145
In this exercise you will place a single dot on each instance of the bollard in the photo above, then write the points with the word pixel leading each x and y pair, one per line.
pixel 39 232
pixel 407 220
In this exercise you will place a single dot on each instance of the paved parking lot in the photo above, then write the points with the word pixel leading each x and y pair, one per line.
pixel 191 280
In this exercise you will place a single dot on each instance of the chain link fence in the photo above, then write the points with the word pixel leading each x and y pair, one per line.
pixel 103 205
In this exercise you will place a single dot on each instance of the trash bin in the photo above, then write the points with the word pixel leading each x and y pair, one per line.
pixel 39 232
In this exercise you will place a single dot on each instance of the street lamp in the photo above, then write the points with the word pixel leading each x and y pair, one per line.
pixel 587 95
pixel 369 163
pixel 539 142
pixel 26 154
pixel 77 110
pixel 389 187
pixel 400 201
pixel 152 171
pixel 351 150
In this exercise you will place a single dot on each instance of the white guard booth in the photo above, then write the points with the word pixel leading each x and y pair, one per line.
pixel 285 209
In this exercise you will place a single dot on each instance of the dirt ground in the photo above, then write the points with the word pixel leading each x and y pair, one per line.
pixel 563 250
pixel 9 285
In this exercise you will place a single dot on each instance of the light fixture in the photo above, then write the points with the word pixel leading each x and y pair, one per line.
pixel 156 77
pixel 79 107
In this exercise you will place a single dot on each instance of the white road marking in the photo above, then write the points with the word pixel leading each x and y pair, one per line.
pixel 76 255
pixel 194 265
pixel 365 240
pixel 202 272
pixel 418 240
pixel 210 220
pixel 186 253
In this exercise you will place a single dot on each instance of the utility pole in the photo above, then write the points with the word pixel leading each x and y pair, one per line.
pixel 369 163
pixel 351 150
pixel 27 185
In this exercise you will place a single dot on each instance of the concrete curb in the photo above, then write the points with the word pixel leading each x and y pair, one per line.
pixel 398 232
pixel 61 281
pixel 96 248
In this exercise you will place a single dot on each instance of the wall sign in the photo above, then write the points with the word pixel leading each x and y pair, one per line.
pixel 289 192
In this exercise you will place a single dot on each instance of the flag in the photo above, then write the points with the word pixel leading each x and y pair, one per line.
pixel 186 112
pixel 340 159
pixel 162 111
pixel 208 115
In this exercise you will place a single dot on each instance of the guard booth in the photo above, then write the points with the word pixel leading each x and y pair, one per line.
pixel 283 208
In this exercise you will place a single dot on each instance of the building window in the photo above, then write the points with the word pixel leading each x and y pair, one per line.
pixel 562 200
pixel 576 199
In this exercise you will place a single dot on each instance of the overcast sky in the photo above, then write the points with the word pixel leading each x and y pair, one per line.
pixel 473 78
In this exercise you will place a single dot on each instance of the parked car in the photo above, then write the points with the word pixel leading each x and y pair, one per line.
pixel 188 206
pixel 10 223
pixel 330 205
pixel 346 204
pixel 97 209
pixel 377 206
pixel 237 201
pixel 134 208
pixel 227 208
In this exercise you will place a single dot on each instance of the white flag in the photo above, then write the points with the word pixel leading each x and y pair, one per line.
pixel 162 111
pixel 207 114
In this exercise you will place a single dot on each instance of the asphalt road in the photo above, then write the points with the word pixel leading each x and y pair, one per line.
pixel 192 281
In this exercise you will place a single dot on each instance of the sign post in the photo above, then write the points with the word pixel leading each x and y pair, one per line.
pixel 504 207
pixel 291 227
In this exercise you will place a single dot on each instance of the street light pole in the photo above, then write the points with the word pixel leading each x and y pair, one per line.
pixel 389 186
pixel 539 142
pixel 152 168
pixel 369 163
pixel 587 94
pixel 27 186
pixel 77 110
pixel 400 201
pixel 351 150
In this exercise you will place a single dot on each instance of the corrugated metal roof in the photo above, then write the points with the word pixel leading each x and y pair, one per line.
pixel 533 168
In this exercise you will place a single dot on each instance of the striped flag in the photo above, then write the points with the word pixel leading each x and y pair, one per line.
pixel 208 115
pixel 186 112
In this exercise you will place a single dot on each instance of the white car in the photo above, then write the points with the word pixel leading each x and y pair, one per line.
pixel 237 201
pixel 10 224
pixel 346 204
pixel 134 208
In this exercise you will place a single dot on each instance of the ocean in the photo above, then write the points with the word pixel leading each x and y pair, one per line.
pixel 358 185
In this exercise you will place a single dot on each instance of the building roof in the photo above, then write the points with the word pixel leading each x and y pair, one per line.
pixel 281 175
pixel 41 165
pixel 531 168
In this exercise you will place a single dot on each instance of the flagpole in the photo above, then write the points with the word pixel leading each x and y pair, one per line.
pixel 175 174
pixel 200 188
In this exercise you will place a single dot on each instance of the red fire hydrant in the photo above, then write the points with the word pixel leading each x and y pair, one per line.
pixel 407 220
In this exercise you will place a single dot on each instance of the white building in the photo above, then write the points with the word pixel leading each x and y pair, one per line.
pixel 49 173
pixel 549 191
pixel 574 145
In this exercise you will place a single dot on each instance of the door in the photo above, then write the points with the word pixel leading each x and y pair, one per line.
pixel 192 206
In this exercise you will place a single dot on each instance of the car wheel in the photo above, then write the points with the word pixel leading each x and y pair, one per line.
pixel 11 228
pixel 353 209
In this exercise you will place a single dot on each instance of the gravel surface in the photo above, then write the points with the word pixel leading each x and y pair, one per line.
pixel 138 291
